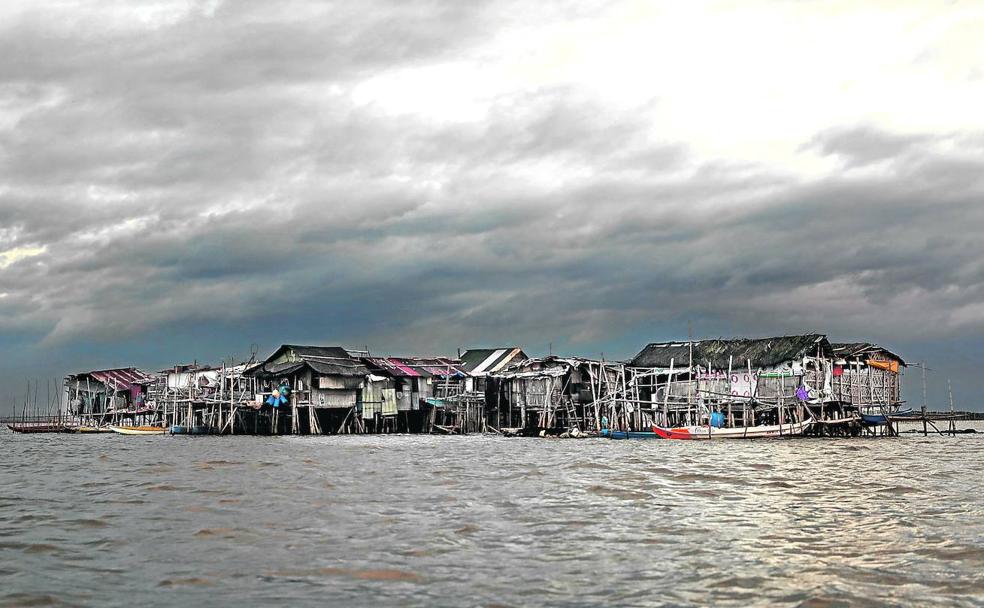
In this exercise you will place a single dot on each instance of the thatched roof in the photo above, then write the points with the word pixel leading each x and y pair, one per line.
pixel 761 352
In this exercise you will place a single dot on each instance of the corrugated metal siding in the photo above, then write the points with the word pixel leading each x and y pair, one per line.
pixel 335 398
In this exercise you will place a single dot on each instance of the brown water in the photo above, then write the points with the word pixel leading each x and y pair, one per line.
pixel 109 520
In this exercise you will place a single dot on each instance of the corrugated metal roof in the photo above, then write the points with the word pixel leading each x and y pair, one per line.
pixel 431 366
pixel 121 379
pixel 442 370
pixel 483 361
pixel 392 366
pixel 489 361
pixel 513 356
pixel 552 365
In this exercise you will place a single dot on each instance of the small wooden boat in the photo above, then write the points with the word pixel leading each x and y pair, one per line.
pixel 883 418
pixel 834 421
pixel 628 434
pixel 908 414
pixel 93 429
pixel 39 428
pixel 744 432
pixel 138 430
pixel 179 429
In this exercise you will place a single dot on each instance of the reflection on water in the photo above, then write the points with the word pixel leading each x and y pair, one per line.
pixel 465 521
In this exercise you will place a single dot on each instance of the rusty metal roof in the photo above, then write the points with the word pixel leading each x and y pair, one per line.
pixel 121 379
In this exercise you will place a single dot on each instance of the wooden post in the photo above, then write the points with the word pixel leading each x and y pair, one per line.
pixel 731 420
pixel 498 402
pixel 522 406
pixel 232 407
pixel 925 430
pixel 294 427
pixel 953 423
pixel 594 397
pixel 690 382
pixel 751 396
pixel 666 395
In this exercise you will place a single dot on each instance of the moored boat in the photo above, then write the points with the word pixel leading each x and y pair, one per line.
pixel 628 434
pixel 835 421
pixel 178 429
pixel 138 430
pixel 874 419
pixel 880 419
pixel 907 414
pixel 39 428
pixel 744 432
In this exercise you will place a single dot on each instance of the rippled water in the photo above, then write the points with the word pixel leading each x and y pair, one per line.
pixel 110 520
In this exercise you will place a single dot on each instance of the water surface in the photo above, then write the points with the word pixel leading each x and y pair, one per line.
pixel 108 520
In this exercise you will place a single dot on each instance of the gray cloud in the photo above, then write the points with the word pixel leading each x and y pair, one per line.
pixel 213 176
pixel 863 145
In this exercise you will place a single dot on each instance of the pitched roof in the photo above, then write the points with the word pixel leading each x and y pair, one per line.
pixel 551 365
pixel 315 351
pixel 761 352
pixel 394 367
pixel 119 379
pixel 859 349
pixel 439 367
pixel 327 360
pixel 483 361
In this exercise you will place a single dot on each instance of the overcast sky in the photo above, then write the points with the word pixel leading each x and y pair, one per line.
pixel 184 180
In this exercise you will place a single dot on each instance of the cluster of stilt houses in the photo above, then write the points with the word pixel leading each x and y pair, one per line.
pixel 799 384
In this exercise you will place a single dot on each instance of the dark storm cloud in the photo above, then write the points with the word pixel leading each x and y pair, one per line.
pixel 213 177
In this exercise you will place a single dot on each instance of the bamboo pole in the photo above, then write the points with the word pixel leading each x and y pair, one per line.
pixel 666 395
pixel 731 420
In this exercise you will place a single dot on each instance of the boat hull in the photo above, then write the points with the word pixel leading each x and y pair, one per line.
pixel 138 430
pixel 40 428
pixel 836 421
pixel 883 419
pixel 747 432
pixel 178 429
pixel 628 434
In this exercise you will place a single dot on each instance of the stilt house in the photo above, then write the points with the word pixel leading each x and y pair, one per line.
pixel 479 363
pixel 866 375
pixel 412 381
pixel 109 395
pixel 216 398
pixel 552 393
pixel 453 409
pixel 323 388
pixel 751 380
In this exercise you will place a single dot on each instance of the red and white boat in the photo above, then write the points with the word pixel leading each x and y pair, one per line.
pixel 743 432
